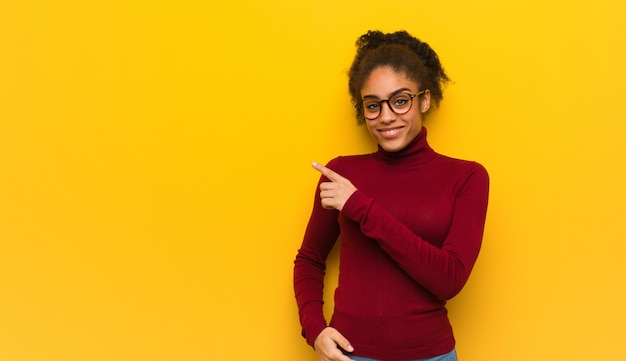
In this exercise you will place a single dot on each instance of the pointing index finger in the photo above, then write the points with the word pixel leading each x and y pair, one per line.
pixel 327 172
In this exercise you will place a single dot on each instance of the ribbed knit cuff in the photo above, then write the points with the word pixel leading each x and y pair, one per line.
pixel 357 206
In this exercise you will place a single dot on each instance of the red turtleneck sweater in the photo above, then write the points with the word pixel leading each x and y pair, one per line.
pixel 409 237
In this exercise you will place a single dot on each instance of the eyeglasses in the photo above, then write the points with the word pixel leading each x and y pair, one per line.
pixel 400 104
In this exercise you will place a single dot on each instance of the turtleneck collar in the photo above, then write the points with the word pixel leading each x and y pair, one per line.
pixel 416 152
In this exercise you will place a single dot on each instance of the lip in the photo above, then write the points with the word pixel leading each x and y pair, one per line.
pixel 390 133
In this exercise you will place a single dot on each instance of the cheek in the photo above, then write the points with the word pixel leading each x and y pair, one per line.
pixel 371 128
pixel 415 117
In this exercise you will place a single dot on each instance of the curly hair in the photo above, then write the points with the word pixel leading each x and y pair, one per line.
pixel 403 53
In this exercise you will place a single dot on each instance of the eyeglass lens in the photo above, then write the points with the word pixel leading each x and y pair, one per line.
pixel 399 104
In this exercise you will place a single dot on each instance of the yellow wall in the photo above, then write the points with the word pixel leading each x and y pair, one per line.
pixel 155 174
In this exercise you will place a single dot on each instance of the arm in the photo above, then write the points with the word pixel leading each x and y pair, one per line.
pixel 443 271
pixel 310 266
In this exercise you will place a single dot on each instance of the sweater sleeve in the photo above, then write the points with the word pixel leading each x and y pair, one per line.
pixel 443 271
pixel 310 266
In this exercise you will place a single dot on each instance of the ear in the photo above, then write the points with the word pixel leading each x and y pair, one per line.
pixel 425 101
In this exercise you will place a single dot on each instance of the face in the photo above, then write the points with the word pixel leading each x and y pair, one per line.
pixel 393 132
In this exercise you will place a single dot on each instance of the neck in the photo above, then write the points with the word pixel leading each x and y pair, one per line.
pixel 417 150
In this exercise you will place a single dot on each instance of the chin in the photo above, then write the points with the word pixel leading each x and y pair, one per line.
pixel 393 146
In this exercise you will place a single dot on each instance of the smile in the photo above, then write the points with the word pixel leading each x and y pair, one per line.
pixel 390 133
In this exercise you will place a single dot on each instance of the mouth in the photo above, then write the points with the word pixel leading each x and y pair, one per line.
pixel 389 132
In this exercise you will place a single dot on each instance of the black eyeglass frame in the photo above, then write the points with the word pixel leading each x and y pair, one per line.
pixel 380 103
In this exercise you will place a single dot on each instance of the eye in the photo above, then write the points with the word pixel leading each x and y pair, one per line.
pixel 401 101
pixel 371 106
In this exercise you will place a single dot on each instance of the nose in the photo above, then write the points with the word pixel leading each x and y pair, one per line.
pixel 386 114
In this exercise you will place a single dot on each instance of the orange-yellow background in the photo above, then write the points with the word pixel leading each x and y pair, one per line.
pixel 155 179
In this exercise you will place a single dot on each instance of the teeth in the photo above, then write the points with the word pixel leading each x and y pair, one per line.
pixel 390 131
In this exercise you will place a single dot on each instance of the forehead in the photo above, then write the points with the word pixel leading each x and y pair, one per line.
pixel 385 80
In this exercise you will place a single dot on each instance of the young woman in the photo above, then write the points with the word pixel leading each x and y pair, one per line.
pixel 410 220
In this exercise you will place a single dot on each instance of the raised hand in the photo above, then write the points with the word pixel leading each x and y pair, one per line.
pixel 335 193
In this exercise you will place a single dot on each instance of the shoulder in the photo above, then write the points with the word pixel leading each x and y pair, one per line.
pixel 463 168
pixel 344 162
pixel 470 165
pixel 354 167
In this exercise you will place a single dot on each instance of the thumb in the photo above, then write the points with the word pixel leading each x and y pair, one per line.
pixel 343 342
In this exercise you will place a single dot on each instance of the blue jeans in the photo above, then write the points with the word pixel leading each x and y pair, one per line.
pixel 450 356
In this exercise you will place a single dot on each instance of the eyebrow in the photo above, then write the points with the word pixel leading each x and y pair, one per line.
pixel 390 95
